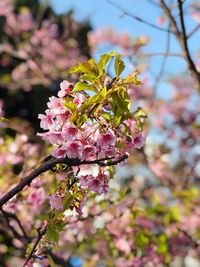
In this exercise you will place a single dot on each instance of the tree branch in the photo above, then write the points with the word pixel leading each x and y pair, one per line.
pixel 40 235
pixel 48 165
pixel 193 31
pixel 184 44
pixel 170 17
pixel 138 18
pixel 182 39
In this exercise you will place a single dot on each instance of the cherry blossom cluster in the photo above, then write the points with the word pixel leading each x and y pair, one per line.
pixel 95 139
pixel 40 47
pixel 123 40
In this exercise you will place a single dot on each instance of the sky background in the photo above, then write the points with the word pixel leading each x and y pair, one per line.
pixel 102 14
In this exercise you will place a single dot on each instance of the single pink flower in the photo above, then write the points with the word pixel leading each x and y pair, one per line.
pixel 97 184
pixel 73 149
pixel 56 202
pixel 79 99
pixel 138 141
pixel 88 152
pixel 36 198
pixel 69 132
pixel 105 140
pixel 65 88
pixel 47 121
pixel 55 104
pixel 59 152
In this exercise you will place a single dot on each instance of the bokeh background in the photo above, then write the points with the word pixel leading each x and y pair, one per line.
pixel 155 198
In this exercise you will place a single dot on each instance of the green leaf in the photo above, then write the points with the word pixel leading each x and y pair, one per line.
pixel 103 61
pixel 96 99
pixel 52 234
pixel 81 119
pixel 106 116
pixel 82 86
pixel 93 65
pixel 67 201
pixel 119 65
pixel 51 262
pixel 70 105
pixel 2 119
pixel 140 113
pixel 88 77
pixel 82 68
pixel 132 79
pixel 120 102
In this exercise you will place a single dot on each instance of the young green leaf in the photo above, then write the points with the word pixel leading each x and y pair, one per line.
pixel 96 99
pixel 52 234
pixel 119 65
pixel 82 86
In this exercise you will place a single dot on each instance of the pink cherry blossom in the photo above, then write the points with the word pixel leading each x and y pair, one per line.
pixel 79 99
pixel 59 152
pixel 36 198
pixel 138 141
pixel 46 120
pixel 65 87
pixel 122 245
pixel 55 105
pixel 88 152
pixel 69 132
pixel 73 149
pixel 97 184
pixel 105 140
pixel 56 202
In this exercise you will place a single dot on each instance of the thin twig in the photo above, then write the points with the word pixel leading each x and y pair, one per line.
pixel 162 54
pixel 162 68
pixel 40 235
pixel 193 31
pixel 138 18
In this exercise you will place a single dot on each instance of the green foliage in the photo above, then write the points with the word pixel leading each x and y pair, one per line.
pixel 106 91
pixel 119 66
pixel 82 86
pixel 52 233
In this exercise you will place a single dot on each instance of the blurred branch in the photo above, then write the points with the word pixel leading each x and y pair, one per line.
pixel 193 31
pixel 182 39
pixel 10 227
pixel 170 17
pixel 6 48
pixel 8 216
pixel 41 233
pixel 154 3
pixel 162 68
pixel 48 165
pixel 138 18
pixel 163 54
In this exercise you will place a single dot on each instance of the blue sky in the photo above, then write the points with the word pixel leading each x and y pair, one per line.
pixel 101 14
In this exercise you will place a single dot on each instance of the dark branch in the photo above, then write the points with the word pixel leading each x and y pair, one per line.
pixel 182 39
pixel 184 44
pixel 41 233
pixel 48 166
